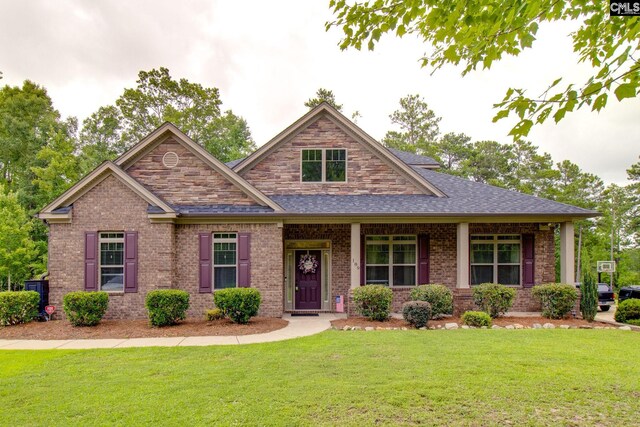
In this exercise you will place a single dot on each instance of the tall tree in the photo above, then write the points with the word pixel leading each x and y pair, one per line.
pixel 323 95
pixel 488 162
pixel 419 129
pixel 452 150
pixel 478 32
pixel 158 98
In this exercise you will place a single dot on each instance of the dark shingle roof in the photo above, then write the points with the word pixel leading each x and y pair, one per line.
pixel 233 163
pixel 414 159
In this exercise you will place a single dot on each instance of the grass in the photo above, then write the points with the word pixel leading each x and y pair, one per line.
pixel 463 377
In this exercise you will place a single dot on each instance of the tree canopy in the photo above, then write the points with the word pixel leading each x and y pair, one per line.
pixel 157 98
pixel 418 125
pixel 476 33
pixel 323 95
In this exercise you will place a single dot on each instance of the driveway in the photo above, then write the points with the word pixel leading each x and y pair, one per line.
pixel 606 315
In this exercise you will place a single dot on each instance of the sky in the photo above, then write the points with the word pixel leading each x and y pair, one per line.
pixel 268 57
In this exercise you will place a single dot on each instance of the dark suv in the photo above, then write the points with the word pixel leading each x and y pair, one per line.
pixel 629 292
pixel 606 298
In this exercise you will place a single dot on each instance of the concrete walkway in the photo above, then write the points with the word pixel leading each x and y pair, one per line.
pixel 297 327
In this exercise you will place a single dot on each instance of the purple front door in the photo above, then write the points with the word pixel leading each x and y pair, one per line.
pixel 308 280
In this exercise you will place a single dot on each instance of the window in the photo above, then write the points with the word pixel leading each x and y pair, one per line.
pixel 324 165
pixel 391 260
pixel 224 260
pixel 495 259
pixel 112 262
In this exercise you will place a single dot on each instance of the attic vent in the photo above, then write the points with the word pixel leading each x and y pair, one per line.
pixel 170 159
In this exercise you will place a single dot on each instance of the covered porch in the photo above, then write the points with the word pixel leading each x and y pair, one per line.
pixel 323 261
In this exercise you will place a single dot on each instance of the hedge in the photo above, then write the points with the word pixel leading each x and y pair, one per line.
pixel 167 306
pixel 439 296
pixel 18 307
pixel 238 304
pixel 373 301
pixel 85 308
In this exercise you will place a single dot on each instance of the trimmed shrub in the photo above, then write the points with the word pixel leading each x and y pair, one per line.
pixel 373 301
pixel 477 319
pixel 557 299
pixel 18 307
pixel 417 313
pixel 439 296
pixel 238 304
pixel 167 306
pixel 85 308
pixel 635 322
pixel 213 314
pixel 589 298
pixel 493 298
pixel 627 310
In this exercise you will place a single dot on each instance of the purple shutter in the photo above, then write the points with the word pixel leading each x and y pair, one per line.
pixel 244 260
pixel 527 260
pixel 204 243
pixel 90 261
pixel 423 259
pixel 363 257
pixel 131 261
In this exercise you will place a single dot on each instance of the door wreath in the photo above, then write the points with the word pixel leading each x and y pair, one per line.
pixel 308 264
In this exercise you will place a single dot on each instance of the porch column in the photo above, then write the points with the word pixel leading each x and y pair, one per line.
pixel 462 280
pixel 355 255
pixel 567 262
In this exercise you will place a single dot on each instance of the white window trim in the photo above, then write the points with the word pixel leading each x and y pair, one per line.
pixel 102 240
pixel 215 240
pixel 324 166
pixel 391 264
pixel 473 239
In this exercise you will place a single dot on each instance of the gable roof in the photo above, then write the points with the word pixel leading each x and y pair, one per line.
pixel 326 110
pixel 60 206
pixel 169 129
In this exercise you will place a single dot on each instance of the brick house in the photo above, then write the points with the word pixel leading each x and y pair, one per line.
pixel 319 210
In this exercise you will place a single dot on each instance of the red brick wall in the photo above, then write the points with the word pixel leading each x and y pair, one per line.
pixel 110 206
pixel 266 264
pixel 191 182
pixel 279 172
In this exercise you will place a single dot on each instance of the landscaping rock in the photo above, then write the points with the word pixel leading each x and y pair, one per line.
pixel 369 328
pixel 509 327
pixel 586 327
pixel 379 328
pixel 518 326
pixel 424 328
pixel 495 327
pixel 599 327
pixel 451 326
pixel 537 326
pixel 465 326
pixel 405 329
pixel 564 326
pixel 346 328
pixel 625 328
pixel 356 328
pixel 549 326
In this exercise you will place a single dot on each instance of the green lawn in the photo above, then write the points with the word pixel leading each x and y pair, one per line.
pixel 463 377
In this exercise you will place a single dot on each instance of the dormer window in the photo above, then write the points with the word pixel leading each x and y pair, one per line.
pixel 324 165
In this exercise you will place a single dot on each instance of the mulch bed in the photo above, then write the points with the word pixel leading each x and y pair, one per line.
pixel 62 329
pixel 526 322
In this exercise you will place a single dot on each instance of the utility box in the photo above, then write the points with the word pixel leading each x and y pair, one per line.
pixel 41 287
pixel 340 303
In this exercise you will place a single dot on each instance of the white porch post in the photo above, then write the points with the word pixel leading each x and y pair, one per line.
pixel 567 262
pixel 462 280
pixel 355 255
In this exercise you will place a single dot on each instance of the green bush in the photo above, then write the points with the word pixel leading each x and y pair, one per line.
pixel 493 298
pixel 18 307
pixel 417 313
pixel 557 299
pixel 635 322
pixel 239 304
pixel 85 308
pixel 373 301
pixel 439 296
pixel 627 310
pixel 589 298
pixel 476 319
pixel 167 306
pixel 213 314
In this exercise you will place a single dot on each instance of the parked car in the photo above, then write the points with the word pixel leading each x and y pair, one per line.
pixel 629 292
pixel 606 297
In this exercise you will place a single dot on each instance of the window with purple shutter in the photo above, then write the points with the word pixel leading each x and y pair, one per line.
pixel 91 261
pixel 528 264
pixel 204 245
pixel 131 261
pixel 244 260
